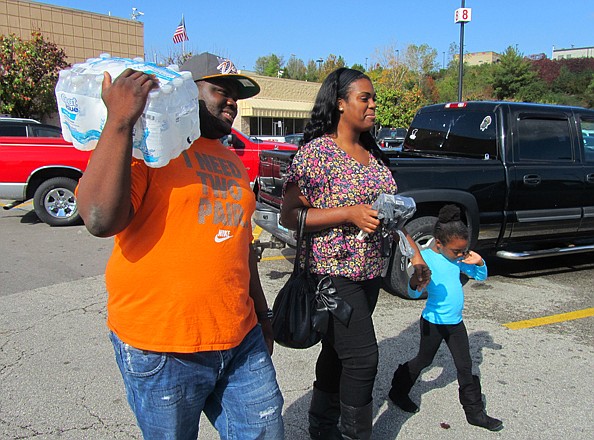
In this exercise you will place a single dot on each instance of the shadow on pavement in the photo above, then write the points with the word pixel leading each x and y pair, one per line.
pixel 394 351
pixel 518 269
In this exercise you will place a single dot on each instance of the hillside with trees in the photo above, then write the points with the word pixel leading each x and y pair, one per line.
pixel 407 80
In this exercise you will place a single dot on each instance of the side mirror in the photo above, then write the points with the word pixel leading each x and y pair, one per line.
pixel 236 142
pixel 227 141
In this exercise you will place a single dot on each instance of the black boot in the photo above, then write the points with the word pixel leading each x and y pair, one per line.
pixel 472 402
pixel 356 422
pixel 324 413
pixel 401 385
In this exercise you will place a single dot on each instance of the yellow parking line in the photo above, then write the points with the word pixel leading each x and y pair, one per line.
pixel 21 205
pixel 278 257
pixel 578 314
pixel 256 232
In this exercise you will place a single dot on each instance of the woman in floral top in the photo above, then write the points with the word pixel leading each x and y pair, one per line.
pixel 338 174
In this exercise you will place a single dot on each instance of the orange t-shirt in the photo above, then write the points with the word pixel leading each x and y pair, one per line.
pixel 178 277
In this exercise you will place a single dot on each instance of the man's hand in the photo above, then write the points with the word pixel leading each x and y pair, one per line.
pixel 125 98
pixel 268 334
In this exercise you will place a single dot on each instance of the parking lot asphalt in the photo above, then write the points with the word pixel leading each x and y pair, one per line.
pixel 59 379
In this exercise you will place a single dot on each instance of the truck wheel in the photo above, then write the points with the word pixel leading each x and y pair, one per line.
pixel 400 269
pixel 54 202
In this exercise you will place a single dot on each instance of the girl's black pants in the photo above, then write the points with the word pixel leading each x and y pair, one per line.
pixel 456 338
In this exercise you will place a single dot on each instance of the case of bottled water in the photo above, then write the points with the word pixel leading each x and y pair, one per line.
pixel 168 125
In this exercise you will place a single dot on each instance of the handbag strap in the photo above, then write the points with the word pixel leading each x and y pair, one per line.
pixel 302 238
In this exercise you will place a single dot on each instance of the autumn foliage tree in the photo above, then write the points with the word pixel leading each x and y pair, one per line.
pixel 397 107
pixel 28 75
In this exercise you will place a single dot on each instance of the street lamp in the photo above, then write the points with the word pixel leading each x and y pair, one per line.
pixel 397 56
pixel 443 64
pixel 366 64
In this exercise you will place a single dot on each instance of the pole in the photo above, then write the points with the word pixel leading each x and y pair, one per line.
pixel 184 40
pixel 461 58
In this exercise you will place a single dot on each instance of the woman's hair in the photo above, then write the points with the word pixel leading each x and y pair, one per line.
pixel 449 225
pixel 325 114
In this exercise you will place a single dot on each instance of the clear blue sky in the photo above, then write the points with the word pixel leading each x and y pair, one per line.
pixel 244 30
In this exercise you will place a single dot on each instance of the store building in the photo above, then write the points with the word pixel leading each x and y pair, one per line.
pixel 64 27
pixel 282 107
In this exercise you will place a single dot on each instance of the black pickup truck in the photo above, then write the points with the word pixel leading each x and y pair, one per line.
pixel 523 175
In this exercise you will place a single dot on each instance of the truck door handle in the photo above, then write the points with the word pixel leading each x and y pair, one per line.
pixel 531 179
pixel 590 178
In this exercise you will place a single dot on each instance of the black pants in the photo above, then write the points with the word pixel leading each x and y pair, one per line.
pixel 348 361
pixel 456 339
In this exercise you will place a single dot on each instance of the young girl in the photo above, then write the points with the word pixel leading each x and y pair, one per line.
pixel 442 318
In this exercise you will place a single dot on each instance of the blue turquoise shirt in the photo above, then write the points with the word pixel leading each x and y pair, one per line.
pixel 445 297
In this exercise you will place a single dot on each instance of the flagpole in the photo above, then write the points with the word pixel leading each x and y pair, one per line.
pixel 184 40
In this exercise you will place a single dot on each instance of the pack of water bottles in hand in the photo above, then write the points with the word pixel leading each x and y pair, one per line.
pixel 168 125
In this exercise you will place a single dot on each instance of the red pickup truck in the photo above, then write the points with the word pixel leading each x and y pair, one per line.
pixel 43 169
pixel 248 149
pixel 47 170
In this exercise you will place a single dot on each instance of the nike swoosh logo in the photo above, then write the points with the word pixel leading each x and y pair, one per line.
pixel 221 239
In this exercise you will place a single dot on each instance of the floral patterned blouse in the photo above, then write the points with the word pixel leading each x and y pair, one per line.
pixel 329 178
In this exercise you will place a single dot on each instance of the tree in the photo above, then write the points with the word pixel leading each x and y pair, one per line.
pixel 513 77
pixel 175 57
pixel 589 95
pixel 269 65
pixel 420 60
pixel 332 63
pixel 28 75
pixel 388 71
pixel 312 72
pixel 295 69
pixel 397 107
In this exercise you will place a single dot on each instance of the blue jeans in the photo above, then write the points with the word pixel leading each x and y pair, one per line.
pixel 236 389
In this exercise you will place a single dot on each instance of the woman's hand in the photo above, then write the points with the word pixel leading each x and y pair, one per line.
pixel 421 276
pixel 268 334
pixel 364 217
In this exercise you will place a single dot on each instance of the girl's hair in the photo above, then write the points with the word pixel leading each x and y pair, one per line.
pixel 449 225
pixel 325 114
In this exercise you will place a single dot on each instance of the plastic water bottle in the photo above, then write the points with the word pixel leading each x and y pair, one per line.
pixel 169 123
pixel 82 113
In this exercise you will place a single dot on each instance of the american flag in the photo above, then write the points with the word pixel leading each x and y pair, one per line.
pixel 180 33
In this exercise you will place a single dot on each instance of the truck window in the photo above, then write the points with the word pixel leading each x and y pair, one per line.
pixel 460 133
pixel 45 131
pixel 13 130
pixel 587 128
pixel 544 139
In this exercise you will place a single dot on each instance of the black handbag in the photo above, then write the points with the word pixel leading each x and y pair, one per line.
pixel 300 310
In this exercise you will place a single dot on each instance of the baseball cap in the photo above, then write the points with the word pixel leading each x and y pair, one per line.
pixel 207 65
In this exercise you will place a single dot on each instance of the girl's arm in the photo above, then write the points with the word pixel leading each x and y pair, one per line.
pixel 474 266
pixel 422 275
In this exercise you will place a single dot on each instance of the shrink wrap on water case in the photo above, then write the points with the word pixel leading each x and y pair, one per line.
pixel 168 125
